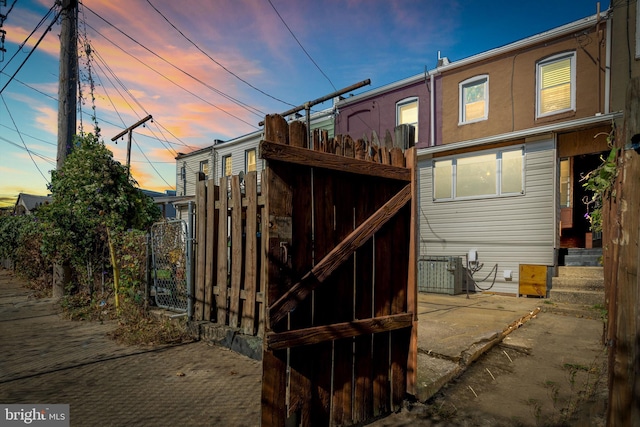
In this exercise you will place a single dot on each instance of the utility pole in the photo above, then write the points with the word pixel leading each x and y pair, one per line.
pixel 129 130
pixel 68 79
pixel 67 95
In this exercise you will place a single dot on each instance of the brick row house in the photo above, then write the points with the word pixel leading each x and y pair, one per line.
pixel 504 138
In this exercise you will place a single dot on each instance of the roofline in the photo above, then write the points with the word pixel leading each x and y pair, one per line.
pixel 249 136
pixel 526 42
pixel 525 133
pixel 520 44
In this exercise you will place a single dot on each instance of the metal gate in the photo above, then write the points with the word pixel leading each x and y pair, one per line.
pixel 171 264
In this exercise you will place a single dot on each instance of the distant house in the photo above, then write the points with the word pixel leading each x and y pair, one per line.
pixel 504 140
pixel 226 158
pixel 165 201
pixel 28 203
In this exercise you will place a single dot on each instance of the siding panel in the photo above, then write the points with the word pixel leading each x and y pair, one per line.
pixel 506 231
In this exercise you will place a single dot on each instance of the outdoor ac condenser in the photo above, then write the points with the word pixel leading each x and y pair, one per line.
pixel 440 275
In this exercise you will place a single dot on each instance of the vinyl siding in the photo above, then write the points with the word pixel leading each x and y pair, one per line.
pixel 507 231
pixel 237 151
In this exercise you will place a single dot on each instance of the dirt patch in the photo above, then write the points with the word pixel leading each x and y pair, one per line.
pixel 550 372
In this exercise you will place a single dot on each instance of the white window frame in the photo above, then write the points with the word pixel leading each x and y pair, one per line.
pixel 246 159
pixel 223 169
pixel 498 176
pixel 204 164
pixel 405 102
pixel 550 60
pixel 473 81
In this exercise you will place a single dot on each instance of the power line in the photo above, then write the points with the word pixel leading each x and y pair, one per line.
pixel 216 62
pixel 21 139
pixel 42 20
pixel 50 160
pixel 300 44
pixel 171 81
pixel 30 52
pixel 230 98
pixel 31 87
pixel 31 136
pixel 151 164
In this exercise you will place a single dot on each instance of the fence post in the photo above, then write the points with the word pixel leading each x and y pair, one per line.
pixel 190 278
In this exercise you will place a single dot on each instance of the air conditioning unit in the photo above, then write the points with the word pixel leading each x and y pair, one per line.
pixel 441 275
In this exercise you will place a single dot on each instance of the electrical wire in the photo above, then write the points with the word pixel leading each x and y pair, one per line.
pixel 49 160
pixel 151 164
pixel 228 97
pixel 30 52
pixel 216 62
pixel 21 139
pixel 302 47
pixel 38 25
pixel 174 83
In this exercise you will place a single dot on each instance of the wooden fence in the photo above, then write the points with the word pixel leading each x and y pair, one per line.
pixel 321 264
pixel 340 292
pixel 228 279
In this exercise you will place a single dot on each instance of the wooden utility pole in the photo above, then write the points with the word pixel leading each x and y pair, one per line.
pixel 624 309
pixel 67 95
pixel 68 79
pixel 129 131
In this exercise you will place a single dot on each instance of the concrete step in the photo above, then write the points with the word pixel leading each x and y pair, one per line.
pixel 577 296
pixel 577 283
pixel 584 251
pixel 584 257
pixel 595 312
pixel 582 260
pixel 581 272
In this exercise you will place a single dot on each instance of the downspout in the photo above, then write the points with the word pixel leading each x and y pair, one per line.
pixel 432 113
pixel 214 164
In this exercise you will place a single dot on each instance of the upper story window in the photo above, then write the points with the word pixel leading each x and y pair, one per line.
pixel 407 114
pixel 250 160
pixel 556 88
pixel 227 166
pixel 474 99
pixel 489 174
pixel 204 167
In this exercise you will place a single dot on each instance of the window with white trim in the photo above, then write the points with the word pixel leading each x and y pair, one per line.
pixel 487 174
pixel 250 160
pixel 204 168
pixel 227 166
pixel 474 99
pixel 407 114
pixel 555 87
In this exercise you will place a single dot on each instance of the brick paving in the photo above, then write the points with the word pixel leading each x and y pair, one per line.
pixel 47 359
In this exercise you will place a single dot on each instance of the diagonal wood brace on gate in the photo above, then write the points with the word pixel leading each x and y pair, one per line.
pixel 318 274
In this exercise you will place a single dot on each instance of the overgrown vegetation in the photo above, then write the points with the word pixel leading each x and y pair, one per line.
pixel 601 182
pixel 96 224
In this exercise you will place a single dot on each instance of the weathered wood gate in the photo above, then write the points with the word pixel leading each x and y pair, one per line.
pixel 340 294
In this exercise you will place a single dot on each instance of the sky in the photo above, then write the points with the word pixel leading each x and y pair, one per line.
pixel 212 69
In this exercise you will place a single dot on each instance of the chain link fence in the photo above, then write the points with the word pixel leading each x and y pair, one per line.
pixel 170 265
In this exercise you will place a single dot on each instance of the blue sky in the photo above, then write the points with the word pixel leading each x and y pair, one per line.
pixel 212 69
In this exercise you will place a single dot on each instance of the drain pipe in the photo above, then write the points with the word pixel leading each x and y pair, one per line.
pixel 190 288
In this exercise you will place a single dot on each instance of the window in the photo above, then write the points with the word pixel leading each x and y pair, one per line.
pixel 474 99
pixel 565 183
pixel 204 168
pixel 497 173
pixel 407 114
pixel 183 175
pixel 250 160
pixel 227 166
pixel 556 85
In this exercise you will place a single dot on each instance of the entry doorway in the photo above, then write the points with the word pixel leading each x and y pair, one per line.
pixel 575 229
